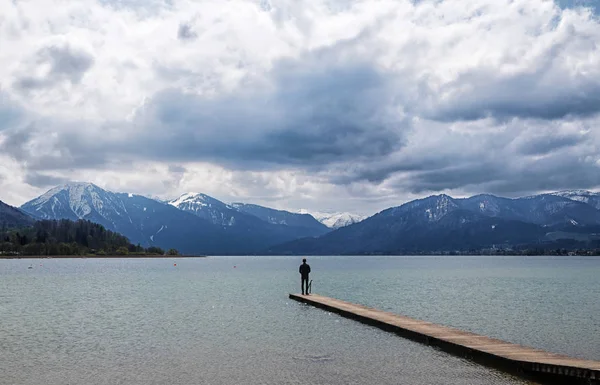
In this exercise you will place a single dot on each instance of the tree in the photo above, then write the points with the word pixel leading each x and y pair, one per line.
pixel 66 237
pixel 172 252
pixel 122 251
pixel 155 250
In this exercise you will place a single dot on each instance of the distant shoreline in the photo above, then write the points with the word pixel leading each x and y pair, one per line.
pixel 97 256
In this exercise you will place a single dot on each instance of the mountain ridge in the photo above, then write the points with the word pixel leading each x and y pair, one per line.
pixel 142 220
pixel 194 223
pixel 441 222
pixel 13 217
pixel 198 223
pixel 282 217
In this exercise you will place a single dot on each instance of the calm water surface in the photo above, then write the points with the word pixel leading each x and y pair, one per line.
pixel 204 321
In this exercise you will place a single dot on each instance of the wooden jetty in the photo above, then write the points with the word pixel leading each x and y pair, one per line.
pixel 529 363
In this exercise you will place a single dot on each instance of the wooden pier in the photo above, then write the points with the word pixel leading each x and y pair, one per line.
pixel 529 363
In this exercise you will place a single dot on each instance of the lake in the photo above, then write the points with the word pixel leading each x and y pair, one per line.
pixel 228 320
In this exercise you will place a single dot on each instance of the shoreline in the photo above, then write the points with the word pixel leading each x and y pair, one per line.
pixel 146 256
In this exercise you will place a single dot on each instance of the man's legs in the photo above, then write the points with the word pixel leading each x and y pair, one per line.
pixel 307 282
pixel 303 283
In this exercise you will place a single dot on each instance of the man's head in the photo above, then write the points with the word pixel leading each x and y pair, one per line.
pixel 304 260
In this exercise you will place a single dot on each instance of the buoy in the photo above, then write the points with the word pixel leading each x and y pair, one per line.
pixel 174 264
pixel 234 266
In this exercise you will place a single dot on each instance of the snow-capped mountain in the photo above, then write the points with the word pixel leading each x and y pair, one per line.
pixel 140 219
pixel 334 220
pixel 198 223
pixel 77 201
pixel 193 223
pixel 428 209
pixel 441 222
pixel 589 197
pixel 543 209
pixel 208 208
pixel 260 222
pixel 13 217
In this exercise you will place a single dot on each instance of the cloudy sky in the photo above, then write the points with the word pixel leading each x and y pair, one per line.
pixel 320 104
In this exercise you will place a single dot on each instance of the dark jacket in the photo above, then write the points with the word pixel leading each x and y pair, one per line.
pixel 304 269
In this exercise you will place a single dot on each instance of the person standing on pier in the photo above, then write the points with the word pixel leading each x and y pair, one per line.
pixel 304 271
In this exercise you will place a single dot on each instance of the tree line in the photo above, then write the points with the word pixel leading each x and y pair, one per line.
pixel 66 237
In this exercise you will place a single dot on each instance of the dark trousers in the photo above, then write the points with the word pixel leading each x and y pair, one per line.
pixel 304 282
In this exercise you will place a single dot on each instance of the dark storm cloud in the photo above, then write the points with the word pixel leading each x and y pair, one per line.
pixel 377 173
pixel 509 161
pixel 504 173
pixel 38 150
pixel 548 92
pixel 186 32
pixel 456 176
pixel 311 115
pixel 10 113
pixel 16 140
pixel 70 159
pixel 42 180
pixel 66 64
pixel 549 143
pixel 551 174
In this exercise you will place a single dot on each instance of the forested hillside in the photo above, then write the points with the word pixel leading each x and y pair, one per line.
pixel 66 237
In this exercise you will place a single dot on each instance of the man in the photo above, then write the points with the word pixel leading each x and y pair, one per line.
pixel 304 271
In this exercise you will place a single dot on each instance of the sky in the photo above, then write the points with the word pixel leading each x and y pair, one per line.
pixel 328 105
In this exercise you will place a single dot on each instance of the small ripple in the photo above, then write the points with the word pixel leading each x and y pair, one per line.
pixel 316 358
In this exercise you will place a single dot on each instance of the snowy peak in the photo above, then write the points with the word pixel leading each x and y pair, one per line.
pixel 206 207
pixel 570 193
pixel 231 214
pixel 439 206
pixel 338 220
pixel 334 220
pixel 75 191
pixel 140 219
pixel 442 223
pixel 75 201
pixel 544 209
pixel 489 205
pixel 248 217
pixel 584 196
pixel 430 209
pixel 193 198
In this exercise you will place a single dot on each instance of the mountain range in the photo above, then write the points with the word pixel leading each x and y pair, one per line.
pixel 443 223
pixel 192 223
pixel 196 223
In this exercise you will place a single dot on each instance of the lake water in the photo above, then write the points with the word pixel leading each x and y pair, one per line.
pixel 204 321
